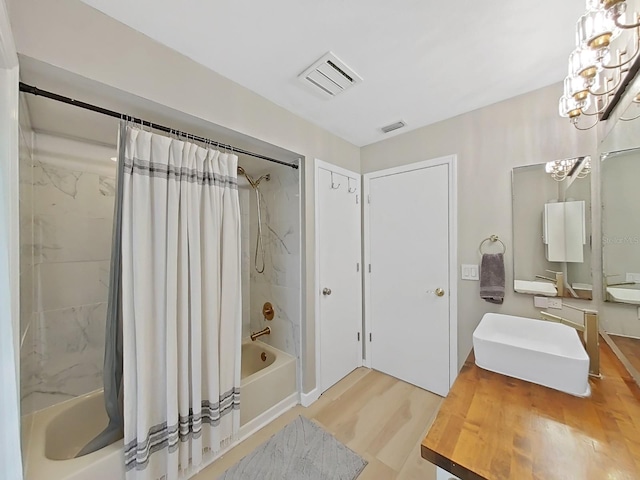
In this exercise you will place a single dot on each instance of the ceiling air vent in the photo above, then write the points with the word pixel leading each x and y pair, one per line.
pixel 393 126
pixel 330 76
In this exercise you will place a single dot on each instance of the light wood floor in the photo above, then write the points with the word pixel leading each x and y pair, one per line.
pixel 381 418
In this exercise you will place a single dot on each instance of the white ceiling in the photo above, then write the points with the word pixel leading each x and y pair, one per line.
pixel 421 61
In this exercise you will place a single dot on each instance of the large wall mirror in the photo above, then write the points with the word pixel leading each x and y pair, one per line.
pixel 621 226
pixel 619 178
pixel 552 228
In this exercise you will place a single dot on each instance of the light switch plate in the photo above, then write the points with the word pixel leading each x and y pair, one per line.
pixel 555 303
pixel 541 302
pixel 470 272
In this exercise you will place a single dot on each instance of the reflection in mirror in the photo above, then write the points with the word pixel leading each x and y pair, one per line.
pixel 620 173
pixel 552 229
pixel 619 178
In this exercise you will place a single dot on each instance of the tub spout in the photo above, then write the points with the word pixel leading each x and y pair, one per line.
pixel 265 331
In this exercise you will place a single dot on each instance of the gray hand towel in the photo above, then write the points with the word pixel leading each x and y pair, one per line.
pixel 492 278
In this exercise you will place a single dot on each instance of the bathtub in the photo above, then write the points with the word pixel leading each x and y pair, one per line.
pixel 268 378
pixel 53 436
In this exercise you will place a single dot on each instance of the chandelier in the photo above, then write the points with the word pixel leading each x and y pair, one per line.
pixel 569 167
pixel 607 42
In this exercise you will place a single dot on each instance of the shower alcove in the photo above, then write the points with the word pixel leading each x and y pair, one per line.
pixel 67 192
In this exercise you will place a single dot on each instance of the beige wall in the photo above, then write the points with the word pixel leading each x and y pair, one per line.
pixel 71 35
pixel 488 142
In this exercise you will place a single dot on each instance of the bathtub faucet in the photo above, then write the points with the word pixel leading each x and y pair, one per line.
pixel 590 329
pixel 265 331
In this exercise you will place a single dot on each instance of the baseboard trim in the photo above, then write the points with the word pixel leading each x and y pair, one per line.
pixel 306 399
pixel 267 417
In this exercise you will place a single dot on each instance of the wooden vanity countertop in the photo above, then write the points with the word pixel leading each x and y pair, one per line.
pixel 495 427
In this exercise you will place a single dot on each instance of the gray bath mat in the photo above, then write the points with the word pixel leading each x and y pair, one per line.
pixel 300 451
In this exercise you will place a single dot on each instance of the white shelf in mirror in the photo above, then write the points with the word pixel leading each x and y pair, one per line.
pixel 535 288
pixel 624 295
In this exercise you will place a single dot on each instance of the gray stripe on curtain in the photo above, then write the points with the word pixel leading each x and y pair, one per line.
pixel 112 370
pixel 150 169
pixel 136 454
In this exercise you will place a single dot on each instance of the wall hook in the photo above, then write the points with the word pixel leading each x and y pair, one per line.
pixel 333 184
pixel 349 189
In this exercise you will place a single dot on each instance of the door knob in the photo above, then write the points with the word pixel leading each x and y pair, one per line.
pixel 439 292
pixel 326 291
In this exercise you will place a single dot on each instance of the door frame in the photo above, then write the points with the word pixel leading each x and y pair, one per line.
pixel 318 164
pixel 10 445
pixel 451 162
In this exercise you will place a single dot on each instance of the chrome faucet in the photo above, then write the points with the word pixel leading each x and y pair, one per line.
pixel 264 331
pixel 590 330
pixel 558 281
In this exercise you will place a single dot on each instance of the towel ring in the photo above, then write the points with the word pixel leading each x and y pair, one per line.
pixel 492 238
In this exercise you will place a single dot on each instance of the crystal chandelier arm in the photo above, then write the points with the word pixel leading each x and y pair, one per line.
pixel 621 54
pixel 599 112
pixel 613 89
pixel 622 25
pixel 575 124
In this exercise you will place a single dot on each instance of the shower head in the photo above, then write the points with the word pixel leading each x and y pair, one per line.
pixel 252 182
pixel 266 177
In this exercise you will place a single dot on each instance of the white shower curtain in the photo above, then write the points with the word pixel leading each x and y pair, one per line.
pixel 181 305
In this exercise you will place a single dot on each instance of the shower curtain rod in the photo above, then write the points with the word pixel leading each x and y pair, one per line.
pixel 94 108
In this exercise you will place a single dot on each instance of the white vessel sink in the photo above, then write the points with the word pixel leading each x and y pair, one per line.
pixel 537 351
pixel 536 288
pixel 626 295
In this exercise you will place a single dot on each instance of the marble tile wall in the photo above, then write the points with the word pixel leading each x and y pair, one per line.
pixel 66 237
pixel 71 231
pixel 280 283
pixel 25 206
pixel 244 193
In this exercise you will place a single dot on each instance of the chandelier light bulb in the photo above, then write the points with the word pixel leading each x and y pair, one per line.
pixel 615 8
pixel 596 30
pixel 568 107
pixel 582 62
pixel 576 87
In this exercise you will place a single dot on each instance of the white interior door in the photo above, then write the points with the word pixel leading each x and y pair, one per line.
pixel 409 296
pixel 339 288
